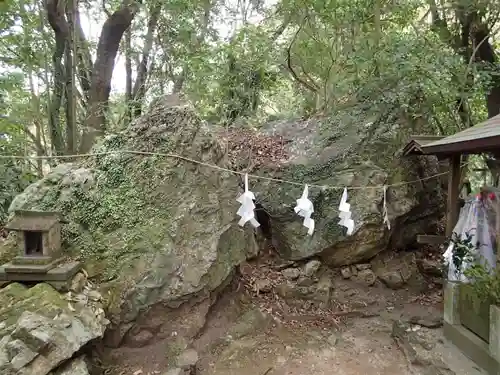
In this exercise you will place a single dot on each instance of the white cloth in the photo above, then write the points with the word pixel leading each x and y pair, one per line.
pixel 473 220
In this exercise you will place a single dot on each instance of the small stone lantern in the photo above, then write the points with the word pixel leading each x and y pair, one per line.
pixel 40 235
pixel 40 258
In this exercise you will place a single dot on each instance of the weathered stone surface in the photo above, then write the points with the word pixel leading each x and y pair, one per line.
pixel 346 272
pixel 391 279
pixel 291 273
pixel 397 270
pixel 77 366
pixel 40 329
pixel 187 359
pixel 418 350
pixel 431 267
pixel 248 324
pixel 162 228
pixel 78 282
pixel 319 291
pixel 347 151
pixel 367 277
pixel 312 267
pixel 263 285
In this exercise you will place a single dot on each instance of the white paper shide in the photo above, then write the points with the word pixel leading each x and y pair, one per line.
pixel 246 210
pixel 345 214
pixel 305 209
pixel 384 210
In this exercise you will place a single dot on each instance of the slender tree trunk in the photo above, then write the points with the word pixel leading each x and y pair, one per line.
pixel 55 13
pixel 69 63
pixel 142 71
pixel 128 72
pixel 102 72
pixel 82 54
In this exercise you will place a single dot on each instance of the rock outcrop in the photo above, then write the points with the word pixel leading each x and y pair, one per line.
pixel 41 329
pixel 349 151
pixel 153 228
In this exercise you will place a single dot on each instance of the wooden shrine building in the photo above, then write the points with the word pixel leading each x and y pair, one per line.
pixel 482 138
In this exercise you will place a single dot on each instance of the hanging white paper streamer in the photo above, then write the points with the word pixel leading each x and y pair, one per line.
pixel 384 210
pixel 305 209
pixel 345 214
pixel 246 210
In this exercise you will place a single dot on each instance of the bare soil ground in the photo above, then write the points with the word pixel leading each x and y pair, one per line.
pixel 250 332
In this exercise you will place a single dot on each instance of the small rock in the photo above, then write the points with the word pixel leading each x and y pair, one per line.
pixel 430 267
pixel 312 267
pixel 78 282
pixel 354 271
pixel 140 339
pixel 283 265
pixel 94 295
pixel 427 321
pixel 263 286
pixel 174 371
pixel 76 366
pixel 346 272
pixel 187 359
pixel 19 353
pixel 305 281
pixel 392 279
pixel 333 339
pixel 367 276
pixel 291 273
pixel 363 266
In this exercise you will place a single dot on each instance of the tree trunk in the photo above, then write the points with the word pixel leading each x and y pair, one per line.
pixel 486 53
pixel 69 63
pixel 128 72
pixel 82 55
pixel 102 72
pixel 142 71
pixel 55 13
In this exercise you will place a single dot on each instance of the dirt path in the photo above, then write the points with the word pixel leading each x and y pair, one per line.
pixel 253 333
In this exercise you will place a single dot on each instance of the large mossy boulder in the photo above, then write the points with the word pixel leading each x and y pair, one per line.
pixel 152 226
pixel 40 329
pixel 346 150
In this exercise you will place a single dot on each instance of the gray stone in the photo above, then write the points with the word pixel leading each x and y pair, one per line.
pixel 312 267
pixel 363 266
pixel 187 359
pixel 174 371
pixel 333 339
pixel 418 347
pixel 36 343
pixel 78 282
pixel 94 295
pixel 76 366
pixel 305 281
pixel 291 273
pixel 367 277
pixel 168 226
pixel 354 271
pixel 20 355
pixel 263 285
pixel 140 339
pixel 348 149
pixel 428 321
pixel 392 279
pixel 346 272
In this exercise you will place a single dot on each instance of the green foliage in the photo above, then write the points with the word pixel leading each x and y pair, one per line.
pixel 485 282
pixel 463 251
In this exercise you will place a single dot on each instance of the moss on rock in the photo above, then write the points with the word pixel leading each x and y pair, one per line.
pixel 342 151
pixel 158 225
